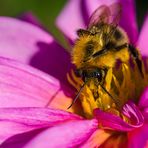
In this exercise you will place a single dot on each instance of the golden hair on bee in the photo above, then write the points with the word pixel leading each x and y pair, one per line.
pixel 88 45
pixel 101 45
pixel 104 41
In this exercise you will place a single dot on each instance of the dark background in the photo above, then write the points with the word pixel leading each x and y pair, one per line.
pixel 142 9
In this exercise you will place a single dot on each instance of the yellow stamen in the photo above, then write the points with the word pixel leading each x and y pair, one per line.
pixel 123 83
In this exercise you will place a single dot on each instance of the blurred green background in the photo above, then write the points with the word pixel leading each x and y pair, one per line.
pixel 47 11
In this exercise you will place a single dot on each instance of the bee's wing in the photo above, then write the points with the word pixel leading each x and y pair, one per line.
pixel 115 14
pixel 114 19
pixel 100 15
pixel 106 14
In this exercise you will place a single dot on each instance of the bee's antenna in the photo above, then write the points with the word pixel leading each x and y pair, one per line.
pixel 79 92
pixel 114 99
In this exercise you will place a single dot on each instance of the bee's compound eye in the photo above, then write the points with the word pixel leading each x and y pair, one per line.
pixel 99 76
pixel 78 72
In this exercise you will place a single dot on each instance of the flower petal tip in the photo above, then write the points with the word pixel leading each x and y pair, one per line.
pixel 108 120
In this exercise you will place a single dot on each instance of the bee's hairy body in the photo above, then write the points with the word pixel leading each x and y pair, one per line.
pixel 96 39
pixel 99 47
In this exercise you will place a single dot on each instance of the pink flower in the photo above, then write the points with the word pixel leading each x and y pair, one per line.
pixel 33 105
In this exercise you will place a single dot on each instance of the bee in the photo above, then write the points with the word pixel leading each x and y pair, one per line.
pixel 100 46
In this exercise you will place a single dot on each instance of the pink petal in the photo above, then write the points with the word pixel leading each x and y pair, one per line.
pixel 131 111
pixel 9 129
pixel 36 116
pixel 142 41
pixel 69 134
pixel 139 137
pixel 22 85
pixel 145 114
pixel 71 18
pixel 30 44
pixel 76 15
pixel 19 120
pixel 20 40
pixel 143 102
pixel 20 140
pixel 128 19
pixel 110 121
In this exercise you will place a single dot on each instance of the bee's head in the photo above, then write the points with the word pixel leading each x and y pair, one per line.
pixel 91 73
pixel 85 46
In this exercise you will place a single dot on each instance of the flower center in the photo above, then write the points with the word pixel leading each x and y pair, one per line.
pixel 120 85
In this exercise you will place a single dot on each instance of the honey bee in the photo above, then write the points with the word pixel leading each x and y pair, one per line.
pixel 100 46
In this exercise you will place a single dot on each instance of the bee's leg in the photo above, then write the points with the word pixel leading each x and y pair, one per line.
pixel 135 54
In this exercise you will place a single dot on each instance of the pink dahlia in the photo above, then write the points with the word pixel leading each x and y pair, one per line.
pixel 33 104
